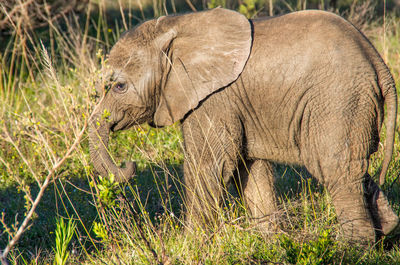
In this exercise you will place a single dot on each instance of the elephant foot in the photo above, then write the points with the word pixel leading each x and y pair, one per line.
pixel 360 231
pixel 354 217
pixel 267 225
pixel 385 220
pixel 389 222
pixel 392 239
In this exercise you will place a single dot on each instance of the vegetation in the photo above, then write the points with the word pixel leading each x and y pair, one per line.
pixel 54 209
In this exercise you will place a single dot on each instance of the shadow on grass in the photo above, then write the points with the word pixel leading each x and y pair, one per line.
pixel 159 191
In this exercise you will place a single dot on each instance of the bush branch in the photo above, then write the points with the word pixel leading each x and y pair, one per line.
pixel 23 226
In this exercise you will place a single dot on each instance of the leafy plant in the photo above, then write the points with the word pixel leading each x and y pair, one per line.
pixel 216 3
pixel 108 190
pixel 100 231
pixel 64 233
pixel 319 251
pixel 249 8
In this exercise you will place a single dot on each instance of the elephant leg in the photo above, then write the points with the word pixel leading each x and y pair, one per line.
pixel 335 157
pixel 212 148
pixel 203 193
pixel 336 148
pixel 344 181
pixel 257 180
pixel 385 220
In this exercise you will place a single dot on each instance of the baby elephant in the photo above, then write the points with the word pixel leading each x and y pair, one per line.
pixel 305 88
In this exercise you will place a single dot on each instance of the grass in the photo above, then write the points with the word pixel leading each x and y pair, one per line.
pixel 46 97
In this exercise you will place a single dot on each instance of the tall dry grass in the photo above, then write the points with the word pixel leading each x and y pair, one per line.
pixel 45 104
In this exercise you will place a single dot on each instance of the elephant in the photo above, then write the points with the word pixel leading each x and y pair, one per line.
pixel 305 88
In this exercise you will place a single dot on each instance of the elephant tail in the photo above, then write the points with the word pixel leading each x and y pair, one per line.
pixel 390 95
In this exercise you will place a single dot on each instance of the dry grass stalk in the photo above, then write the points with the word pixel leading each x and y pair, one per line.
pixel 52 163
pixel 36 13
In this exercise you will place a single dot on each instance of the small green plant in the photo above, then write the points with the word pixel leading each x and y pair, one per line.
pixel 64 233
pixel 216 3
pixel 249 8
pixel 100 231
pixel 319 251
pixel 108 191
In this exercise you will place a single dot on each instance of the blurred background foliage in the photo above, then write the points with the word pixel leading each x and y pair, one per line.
pixel 33 15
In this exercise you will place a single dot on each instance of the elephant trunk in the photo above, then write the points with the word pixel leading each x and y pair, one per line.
pixel 99 155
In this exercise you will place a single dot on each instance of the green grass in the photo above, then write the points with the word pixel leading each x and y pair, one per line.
pixel 46 97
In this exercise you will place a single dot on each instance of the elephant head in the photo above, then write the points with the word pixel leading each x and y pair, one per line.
pixel 163 69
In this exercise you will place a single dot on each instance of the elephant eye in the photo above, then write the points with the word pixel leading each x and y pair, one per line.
pixel 120 87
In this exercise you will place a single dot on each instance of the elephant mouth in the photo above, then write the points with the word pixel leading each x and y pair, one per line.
pixel 120 126
pixel 113 127
pixel 152 124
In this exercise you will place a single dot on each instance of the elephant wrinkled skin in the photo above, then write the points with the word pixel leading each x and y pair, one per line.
pixel 306 88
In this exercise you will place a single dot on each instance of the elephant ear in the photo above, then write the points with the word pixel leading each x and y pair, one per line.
pixel 206 51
